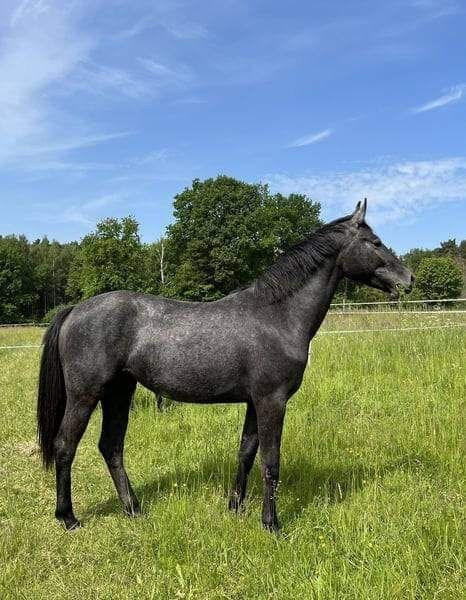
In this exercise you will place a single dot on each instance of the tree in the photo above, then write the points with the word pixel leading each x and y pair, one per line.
pixel 227 232
pixel 350 291
pixel 462 249
pixel 154 265
pixel 51 262
pixel 438 278
pixel 448 248
pixel 110 258
pixel 17 293
pixel 413 258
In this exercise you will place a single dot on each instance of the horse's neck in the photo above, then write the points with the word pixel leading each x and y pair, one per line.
pixel 307 307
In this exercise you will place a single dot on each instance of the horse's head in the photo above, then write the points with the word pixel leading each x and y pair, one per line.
pixel 365 259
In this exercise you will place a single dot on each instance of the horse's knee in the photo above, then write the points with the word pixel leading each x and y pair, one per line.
pixel 63 452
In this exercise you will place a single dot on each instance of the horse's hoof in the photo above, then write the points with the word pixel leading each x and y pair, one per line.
pixel 272 527
pixel 69 521
pixel 235 504
pixel 73 525
pixel 133 512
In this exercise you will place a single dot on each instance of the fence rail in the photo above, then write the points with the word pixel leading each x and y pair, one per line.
pixel 30 324
pixel 411 306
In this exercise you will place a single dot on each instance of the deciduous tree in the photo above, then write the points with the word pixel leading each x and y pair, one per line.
pixel 226 232
pixel 110 258
pixel 438 278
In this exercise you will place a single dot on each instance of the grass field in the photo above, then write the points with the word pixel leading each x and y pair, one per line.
pixel 370 496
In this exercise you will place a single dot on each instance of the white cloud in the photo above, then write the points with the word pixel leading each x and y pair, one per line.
pixel 455 94
pixel 163 18
pixel 164 75
pixel 395 191
pixel 83 213
pixel 92 78
pixel 311 138
pixel 138 27
pixel 185 31
pixel 28 8
pixel 151 158
pixel 40 52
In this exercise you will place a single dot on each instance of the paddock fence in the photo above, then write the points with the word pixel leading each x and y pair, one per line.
pixel 448 305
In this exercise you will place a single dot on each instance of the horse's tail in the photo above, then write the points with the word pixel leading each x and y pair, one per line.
pixel 51 397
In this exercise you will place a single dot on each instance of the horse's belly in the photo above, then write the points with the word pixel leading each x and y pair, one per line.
pixel 191 378
pixel 196 396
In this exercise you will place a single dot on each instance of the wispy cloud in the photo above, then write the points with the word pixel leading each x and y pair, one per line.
pixel 69 144
pixel 176 27
pixel 311 138
pixel 455 94
pixel 48 60
pixel 83 213
pixel 395 190
pixel 151 158
pixel 136 28
pixel 435 9
pixel 165 75
pixel 93 78
pixel 157 165
pixel 185 30
pixel 27 8
pixel 42 49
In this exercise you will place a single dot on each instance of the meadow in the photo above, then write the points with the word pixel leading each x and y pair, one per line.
pixel 371 493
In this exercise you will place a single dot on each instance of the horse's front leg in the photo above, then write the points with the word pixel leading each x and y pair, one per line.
pixel 270 415
pixel 247 454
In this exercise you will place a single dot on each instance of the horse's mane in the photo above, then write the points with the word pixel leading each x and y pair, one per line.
pixel 293 268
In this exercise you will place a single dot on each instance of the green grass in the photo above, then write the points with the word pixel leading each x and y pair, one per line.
pixel 370 495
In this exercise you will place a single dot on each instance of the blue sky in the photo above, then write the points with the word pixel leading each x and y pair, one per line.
pixel 110 108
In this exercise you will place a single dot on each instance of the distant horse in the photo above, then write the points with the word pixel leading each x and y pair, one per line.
pixel 251 346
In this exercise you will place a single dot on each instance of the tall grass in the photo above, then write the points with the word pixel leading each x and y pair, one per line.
pixel 370 495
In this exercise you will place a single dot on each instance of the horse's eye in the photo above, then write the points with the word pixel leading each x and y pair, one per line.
pixel 377 242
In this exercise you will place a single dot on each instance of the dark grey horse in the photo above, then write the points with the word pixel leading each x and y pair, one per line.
pixel 251 346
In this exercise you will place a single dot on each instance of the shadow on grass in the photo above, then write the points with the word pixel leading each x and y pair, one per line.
pixel 303 482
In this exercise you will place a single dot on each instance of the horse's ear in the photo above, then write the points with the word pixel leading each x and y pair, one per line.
pixel 360 212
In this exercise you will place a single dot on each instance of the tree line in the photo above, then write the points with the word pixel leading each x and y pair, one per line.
pixel 225 233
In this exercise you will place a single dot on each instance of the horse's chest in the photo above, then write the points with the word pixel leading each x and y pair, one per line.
pixel 277 369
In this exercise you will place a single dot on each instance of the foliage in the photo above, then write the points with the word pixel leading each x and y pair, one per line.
pixel 51 262
pixel 350 291
pixel 438 278
pixel 413 258
pixel 109 259
pixel 153 258
pixel 462 249
pixel 227 232
pixel 17 290
pixel 50 314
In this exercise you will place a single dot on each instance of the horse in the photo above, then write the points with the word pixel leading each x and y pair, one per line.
pixel 251 346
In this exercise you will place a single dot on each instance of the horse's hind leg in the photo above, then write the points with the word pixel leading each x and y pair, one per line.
pixel 73 425
pixel 115 409
pixel 247 454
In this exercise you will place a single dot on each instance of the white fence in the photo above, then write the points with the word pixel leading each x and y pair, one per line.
pixel 450 305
